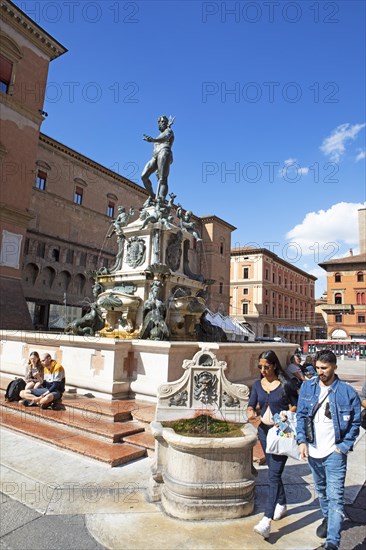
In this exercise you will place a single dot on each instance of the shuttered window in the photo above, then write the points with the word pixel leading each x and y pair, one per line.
pixel 110 209
pixel 78 195
pixel 41 180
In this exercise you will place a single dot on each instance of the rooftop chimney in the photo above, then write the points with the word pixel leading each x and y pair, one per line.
pixel 351 252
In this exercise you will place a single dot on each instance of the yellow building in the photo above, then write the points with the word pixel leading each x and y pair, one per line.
pixel 272 296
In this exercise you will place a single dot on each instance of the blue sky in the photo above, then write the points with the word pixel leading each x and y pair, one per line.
pixel 269 105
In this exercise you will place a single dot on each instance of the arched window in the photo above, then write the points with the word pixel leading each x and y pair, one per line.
pixel 360 298
pixel 360 277
pixel 338 298
pixel 79 284
pixel 48 276
pixel 337 278
pixel 30 274
pixel 63 280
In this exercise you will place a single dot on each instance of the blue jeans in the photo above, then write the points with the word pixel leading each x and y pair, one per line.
pixel 276 465
pixel 38 392
pixel 329 474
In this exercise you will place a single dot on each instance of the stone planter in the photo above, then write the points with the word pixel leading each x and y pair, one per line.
pixel 198 478
pixel 203 477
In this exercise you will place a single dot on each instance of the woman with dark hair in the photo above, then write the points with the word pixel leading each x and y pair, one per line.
pixel 34 371
pixel 273 393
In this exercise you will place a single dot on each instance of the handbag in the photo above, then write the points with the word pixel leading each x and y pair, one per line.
pixel 280 442
pixel 309 429
pixel 309 421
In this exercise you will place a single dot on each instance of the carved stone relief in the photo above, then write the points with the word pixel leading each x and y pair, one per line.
pixel 135 251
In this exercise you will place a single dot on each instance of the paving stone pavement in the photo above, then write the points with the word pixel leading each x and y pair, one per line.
pixel 56 500
pixel 22 528
pixel 354 527
pixel 89 506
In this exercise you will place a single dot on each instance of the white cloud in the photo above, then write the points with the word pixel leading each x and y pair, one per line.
pixel 322 233
pixel 333 146
pixel 361 155
pixel 291 169
pixel 319 273
pixel 321 282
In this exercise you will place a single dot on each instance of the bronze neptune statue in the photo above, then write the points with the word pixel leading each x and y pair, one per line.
pixel 161 160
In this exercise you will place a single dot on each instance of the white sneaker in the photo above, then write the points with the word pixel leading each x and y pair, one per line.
pixel 280 512
pixel 263 528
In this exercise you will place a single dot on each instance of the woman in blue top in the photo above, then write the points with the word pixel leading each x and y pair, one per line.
pixel 273 393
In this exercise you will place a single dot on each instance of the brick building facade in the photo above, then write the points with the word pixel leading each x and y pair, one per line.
pixel 25 53
pixel 73 203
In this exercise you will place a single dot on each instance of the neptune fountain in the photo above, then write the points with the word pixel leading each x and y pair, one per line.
pixel 154 290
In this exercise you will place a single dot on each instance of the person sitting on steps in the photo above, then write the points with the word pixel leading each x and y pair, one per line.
pixel 52 387
pixel 34 372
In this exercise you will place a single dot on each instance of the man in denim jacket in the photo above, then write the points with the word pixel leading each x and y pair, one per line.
pixel 336 427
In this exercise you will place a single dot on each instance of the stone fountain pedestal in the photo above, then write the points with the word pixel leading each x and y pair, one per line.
pixel 156 251
pixel 198 478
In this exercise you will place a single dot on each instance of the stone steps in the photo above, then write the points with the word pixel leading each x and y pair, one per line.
pixel 80 420
pixel 97 428
pixel 142 439
pixel 113 454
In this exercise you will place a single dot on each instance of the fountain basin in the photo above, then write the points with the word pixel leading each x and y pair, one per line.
pixel 200 478
pixel 119 309
pixel 184 314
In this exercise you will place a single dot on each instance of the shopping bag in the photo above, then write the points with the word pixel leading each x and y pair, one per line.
pixel 283 441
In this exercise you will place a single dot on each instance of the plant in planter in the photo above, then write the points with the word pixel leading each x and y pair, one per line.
pixel 206 426
pixel 201 475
